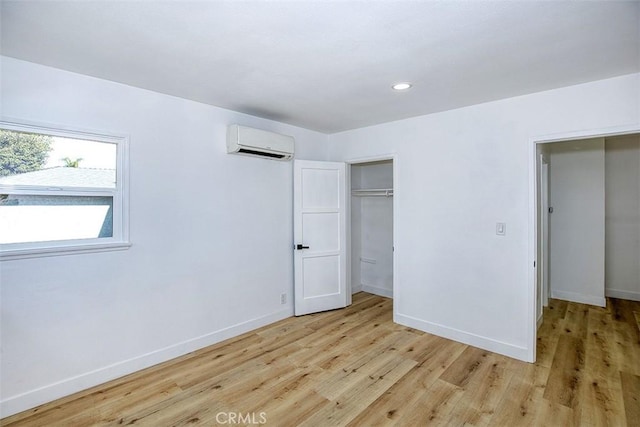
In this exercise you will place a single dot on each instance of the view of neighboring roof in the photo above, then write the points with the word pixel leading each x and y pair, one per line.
pixel 64 177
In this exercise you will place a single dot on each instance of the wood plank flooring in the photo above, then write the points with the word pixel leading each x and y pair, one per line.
pixel 355 367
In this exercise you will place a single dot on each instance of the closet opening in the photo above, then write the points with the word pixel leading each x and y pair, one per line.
pixel 589 206
pixel 586 223
pixel 372 226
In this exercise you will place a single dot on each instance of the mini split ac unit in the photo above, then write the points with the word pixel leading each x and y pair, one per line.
pixel 260 143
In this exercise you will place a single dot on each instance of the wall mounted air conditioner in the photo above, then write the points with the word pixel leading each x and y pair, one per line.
pixel 260 143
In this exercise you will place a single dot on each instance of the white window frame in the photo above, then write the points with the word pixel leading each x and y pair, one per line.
pixel 120 195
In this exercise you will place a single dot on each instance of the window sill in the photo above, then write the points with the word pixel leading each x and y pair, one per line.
pixel 14 254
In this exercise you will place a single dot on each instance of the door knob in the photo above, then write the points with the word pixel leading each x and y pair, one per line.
pixel 300 247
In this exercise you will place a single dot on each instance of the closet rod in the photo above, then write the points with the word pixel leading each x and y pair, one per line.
pixel 375 192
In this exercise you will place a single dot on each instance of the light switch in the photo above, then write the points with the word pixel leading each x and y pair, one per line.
pixel 501 228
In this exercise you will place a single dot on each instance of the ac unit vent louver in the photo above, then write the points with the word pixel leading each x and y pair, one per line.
pixel 259 143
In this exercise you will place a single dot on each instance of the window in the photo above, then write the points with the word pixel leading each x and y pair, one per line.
pixel 61 191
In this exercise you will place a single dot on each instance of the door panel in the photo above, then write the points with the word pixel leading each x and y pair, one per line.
pixel 577 224
pixel 321 276
pixel 323 229
pixel 321 187
pixel 320 227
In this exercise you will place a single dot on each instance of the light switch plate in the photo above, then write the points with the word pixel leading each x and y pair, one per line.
pixel 501 228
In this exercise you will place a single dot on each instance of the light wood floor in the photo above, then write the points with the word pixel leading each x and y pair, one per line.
pixel 356 367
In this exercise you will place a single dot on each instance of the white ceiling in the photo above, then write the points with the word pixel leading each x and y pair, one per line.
pixel 329 65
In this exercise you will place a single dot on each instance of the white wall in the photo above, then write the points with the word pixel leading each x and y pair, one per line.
pixel 211 233
pixel 576 226
pixel 622 184
pixel 457 174
pixel 372 230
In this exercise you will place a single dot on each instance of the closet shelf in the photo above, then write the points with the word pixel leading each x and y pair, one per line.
pixel 374 192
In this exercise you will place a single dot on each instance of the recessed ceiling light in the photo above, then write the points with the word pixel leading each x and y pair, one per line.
pixel 401 86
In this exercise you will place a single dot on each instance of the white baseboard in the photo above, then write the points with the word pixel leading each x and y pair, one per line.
pixel 579 298
pixel 510 350
pixel 617 293
pixel 356 288
pixel 376 290
pixel 22 402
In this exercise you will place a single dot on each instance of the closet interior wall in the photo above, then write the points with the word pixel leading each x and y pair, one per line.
pixel 372 228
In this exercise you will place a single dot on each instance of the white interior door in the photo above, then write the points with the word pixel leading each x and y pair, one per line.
pixel 544 211
pixel 577 224
pixel 319 209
